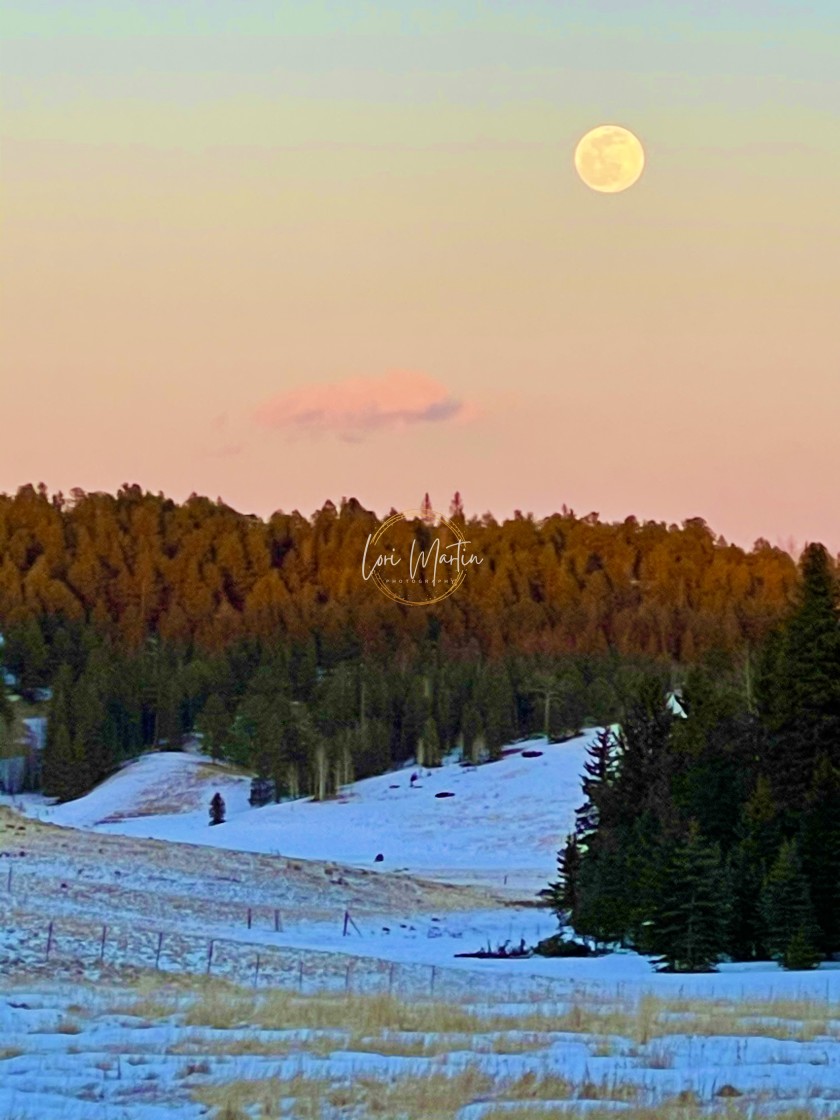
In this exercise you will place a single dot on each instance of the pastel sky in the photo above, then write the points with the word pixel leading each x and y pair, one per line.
pixel 284 252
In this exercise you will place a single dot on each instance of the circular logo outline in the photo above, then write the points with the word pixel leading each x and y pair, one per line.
pixel 439 518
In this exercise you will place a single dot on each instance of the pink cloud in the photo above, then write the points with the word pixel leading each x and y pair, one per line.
pixel 359 405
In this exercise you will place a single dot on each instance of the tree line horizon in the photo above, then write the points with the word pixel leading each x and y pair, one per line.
pixel 136 565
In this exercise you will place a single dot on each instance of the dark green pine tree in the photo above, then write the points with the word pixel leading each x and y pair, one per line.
pixel 6 718
pixel 600 769
pixel 758 836
pixel 169 725
pixel 81 777
pixel 799 693
pixel 431 744
pixel 495 701
pixel 602 898
pixel 409 710
pixel 563 894
pixel 820 849
pixel 214 722
pixel 270 722
pixel 788 913
pixel 644 751
pixel 446 709
pixel 303 752
pixel 27 655
pixel 716 752
pixel 303 670
pixel 90 720
pixel 58 778
pixel 59 763
pixel 745 935
pixel 688 925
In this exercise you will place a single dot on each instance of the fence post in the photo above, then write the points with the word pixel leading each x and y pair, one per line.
pixel 249 917
pixel 432 982
pixel 210 957
pixel 9 880
pixel 102 943
pixel 348 921
pixel 159 947
pixel 300 975
pixel 278 924
pixel 391 979
pixel 49 939
pixel 257 971
pixel 347 978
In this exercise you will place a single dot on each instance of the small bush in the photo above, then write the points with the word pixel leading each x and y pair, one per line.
pixel 558 946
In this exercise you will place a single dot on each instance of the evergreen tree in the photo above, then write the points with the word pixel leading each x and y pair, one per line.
pixel 745 937
pixel 429 746
pixel 820 850
pixel 91 723
pixel 645 747
pixel 688 923
pixel 6 712
pixel 495 701
pixel 563 894
pixel 799 696
pixel 58 778
pixel 217 809
pixel 214 723
pixel 168 723
pixel 27 655
pixel 789 916
pixel 601 899
pixel 80 770
pixel 757 840
pixel 715 754
pixel 600 768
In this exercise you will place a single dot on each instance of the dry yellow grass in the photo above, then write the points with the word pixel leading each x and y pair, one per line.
pixel 433 1096
pixel 447 1045
pixel 673 1110
pixel 436 1095
pixel 387 1044
pixel 63 1026
pixel 222 1005
pixel 238 1100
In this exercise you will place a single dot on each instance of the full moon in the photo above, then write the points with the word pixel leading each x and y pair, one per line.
pixel 609 158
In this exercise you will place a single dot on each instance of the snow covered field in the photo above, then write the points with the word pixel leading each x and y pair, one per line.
pixel 136 884
pixel 505 821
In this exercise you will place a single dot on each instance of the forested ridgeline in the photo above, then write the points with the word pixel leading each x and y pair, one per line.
pixel 150 620
pixel 718 835
pixel 137 565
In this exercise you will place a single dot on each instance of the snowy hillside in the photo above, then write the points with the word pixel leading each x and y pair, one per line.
pixel 501 827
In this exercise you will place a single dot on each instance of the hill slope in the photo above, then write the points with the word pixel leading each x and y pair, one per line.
pixel 501 826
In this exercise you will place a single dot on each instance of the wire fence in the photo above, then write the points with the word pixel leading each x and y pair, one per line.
pixel 28 939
